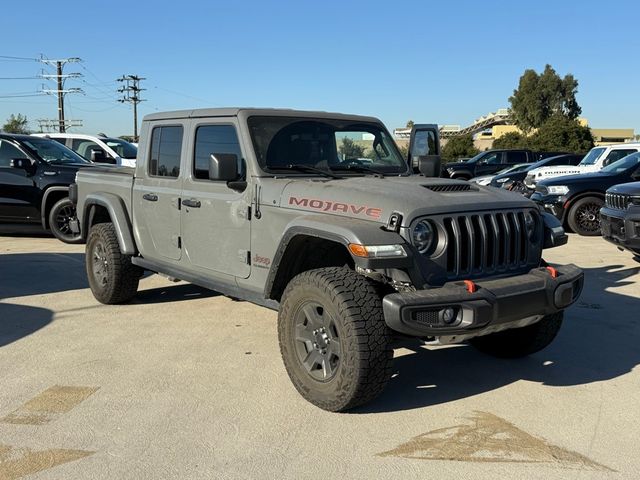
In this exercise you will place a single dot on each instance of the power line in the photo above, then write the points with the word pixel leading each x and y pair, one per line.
pixel 131 94
pixel 8 57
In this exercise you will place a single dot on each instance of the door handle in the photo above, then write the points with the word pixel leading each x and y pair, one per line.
pixel 191 203
pixel 152 197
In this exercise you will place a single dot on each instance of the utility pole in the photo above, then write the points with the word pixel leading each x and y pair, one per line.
pixel 131 94
pixel 60 91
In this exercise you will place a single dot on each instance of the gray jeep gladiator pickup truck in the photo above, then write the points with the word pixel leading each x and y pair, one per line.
pixel 319 216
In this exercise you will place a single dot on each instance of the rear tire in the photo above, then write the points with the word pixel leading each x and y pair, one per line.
pixel 112 276
pixel 584 216
pixel 520 342
pixel 60 216
pixel 334 342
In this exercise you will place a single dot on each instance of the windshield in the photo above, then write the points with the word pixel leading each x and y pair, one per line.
pixel 514 168
pixel 122 148
pixel 626 163
pixel 591 157
pixel 328 144
pixel 52 152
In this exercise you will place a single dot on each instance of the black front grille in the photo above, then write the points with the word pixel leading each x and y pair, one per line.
pixel 617 201
pixel 486 243
pixel 453 187
pixel 427 317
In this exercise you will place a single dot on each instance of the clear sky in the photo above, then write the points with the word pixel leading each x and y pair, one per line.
pixel 436 62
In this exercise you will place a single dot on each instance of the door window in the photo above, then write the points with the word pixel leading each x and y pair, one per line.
pixel 615 155
pixel 8 152
pixel 516 157
pixel 493 158
pixel 166 146
pixel 215 140
pixel 84 147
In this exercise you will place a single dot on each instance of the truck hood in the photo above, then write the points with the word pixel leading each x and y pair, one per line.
pixel 375 199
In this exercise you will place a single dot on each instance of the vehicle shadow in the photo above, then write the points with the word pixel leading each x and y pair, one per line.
pixel 25 274
pixel 599 341
pixel 173 293
pixel 19 321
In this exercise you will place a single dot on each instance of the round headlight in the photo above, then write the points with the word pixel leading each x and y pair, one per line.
pixel 423 236
pixel 530 224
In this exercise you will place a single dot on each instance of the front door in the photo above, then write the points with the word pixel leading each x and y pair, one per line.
pixel 156 194
pixel 215 217
pixel 492 162
pixel 19 193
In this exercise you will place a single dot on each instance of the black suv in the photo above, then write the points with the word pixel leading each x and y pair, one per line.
pixel 35 174
pixel 491 161
pixel 620 216
pixel 576 199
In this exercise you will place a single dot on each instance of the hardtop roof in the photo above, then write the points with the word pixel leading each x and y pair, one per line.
pixel 236 111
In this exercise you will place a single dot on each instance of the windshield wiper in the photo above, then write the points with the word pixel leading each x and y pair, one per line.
pixel 306 168
pixel 358 168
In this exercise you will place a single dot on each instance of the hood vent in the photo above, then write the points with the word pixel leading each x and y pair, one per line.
pixel 451 187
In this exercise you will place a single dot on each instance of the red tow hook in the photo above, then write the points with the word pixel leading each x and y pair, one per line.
pixel 553 272
pixel 471 287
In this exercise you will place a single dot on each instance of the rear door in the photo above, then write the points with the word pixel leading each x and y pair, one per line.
pixel 216 229
pixel 19 193
pixel 156 193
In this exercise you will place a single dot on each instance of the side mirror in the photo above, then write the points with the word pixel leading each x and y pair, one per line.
pixel 99 156
pixel 223 167
pixel 424 150
pixel 21 163
pixel 430 165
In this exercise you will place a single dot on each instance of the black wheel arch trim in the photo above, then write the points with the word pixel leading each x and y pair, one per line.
pixel 406 262
pixel 45 197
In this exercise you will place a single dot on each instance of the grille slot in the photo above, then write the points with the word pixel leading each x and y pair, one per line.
pixel 453 187
pixel 486 243
pixel 617 201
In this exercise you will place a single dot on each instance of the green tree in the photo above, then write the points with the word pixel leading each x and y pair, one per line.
pixel 540 96
pixel 16 124
pixel 410 124
pixel 561 134
pixel 459 146
pixel 511 140
pixel 350 149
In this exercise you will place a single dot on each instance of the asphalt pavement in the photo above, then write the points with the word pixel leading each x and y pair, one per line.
pixel 184 383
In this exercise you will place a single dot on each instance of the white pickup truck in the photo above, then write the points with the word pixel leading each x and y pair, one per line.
pixel 593 161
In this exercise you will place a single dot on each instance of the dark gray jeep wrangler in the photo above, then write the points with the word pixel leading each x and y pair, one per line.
pixel 319 216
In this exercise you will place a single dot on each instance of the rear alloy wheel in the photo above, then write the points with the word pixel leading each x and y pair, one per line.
pixel 60 217
pixel 112 277
pixel 584 216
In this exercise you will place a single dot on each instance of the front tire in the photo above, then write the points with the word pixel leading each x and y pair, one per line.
pixel 334 342
pixel 112 276
pixel 60 217
pixel 520 342
pixel 584 216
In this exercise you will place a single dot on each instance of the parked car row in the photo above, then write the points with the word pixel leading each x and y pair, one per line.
pixel 36 171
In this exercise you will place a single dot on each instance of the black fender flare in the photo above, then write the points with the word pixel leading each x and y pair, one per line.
pixel 342 230
pixel 45 197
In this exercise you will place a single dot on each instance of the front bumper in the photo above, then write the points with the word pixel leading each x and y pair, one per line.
pixel 621 227
pixel 553 204
pixel 499 301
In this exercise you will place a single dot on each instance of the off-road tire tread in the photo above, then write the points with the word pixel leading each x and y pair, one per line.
pixel 520 342
pixel 359 301
pixel 124 275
